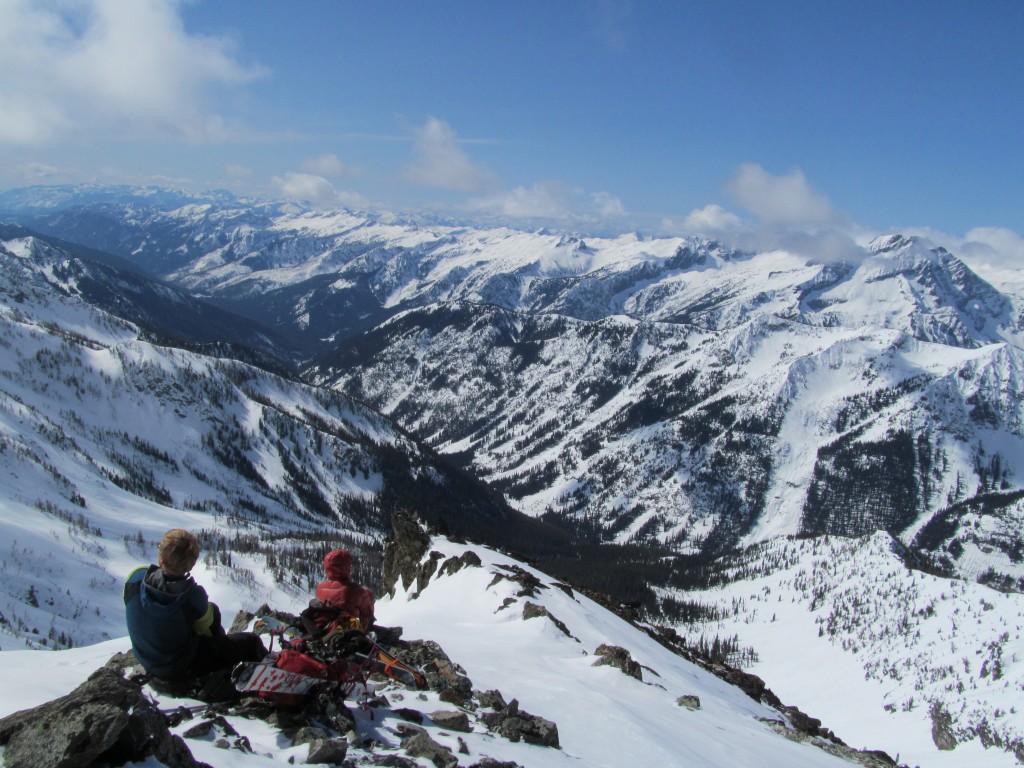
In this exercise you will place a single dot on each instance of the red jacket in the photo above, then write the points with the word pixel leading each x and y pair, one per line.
pixel 339 591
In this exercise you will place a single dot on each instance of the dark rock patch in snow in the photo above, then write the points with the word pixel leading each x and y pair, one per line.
pixel 104 720
pixel 533 611
pixel 515 725
pixel 620 658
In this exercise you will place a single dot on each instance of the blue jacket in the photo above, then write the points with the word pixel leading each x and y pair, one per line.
pixel 165 616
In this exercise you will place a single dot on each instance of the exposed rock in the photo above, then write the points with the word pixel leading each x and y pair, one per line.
pixel 241 621
pixel 326 751
pixel 426 571
pixel 614 656
pixel 206 727
pixel 393 761
pixel 407 545
pixel 490 762
pixel 451 720
pixel 565 588
pixel 419 744
pixel 308 734
pixel 689 701
pixel 124 664
pixel 452 565
pixel 802 722
pixel 491 700
pixel 752 685
pixel 410 715
pixel 528 583
pixel 104 720
pixel 532 611
pixel 942 728
pixel 516 725
pixel 443 675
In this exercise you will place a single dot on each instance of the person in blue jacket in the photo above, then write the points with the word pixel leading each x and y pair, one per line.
pixel 175 630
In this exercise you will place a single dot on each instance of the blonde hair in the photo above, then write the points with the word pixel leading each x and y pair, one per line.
pixel 179 551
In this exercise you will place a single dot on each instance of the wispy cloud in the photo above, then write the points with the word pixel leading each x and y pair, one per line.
pixel 711 220
pixel 1000 245
pixel 986 249
pixel 109 67
pixel 549 202
pixel 543 200
pixel 441 163
pixel 788 199
pixel 325 165
pixel 317 190
pixel 612 22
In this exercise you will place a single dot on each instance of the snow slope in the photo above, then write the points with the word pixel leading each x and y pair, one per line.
pixel 846 629
pixel 605 718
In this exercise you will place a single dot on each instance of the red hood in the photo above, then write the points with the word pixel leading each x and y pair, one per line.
pixel 338 565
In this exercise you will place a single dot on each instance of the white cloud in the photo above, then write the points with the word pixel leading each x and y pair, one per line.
pixel 108 67
pixel 543 200
pixel 325 165
pixel 317 190
pixel 998 245
pixel 608 206
pixel 711 219
pixel 237 171
pixel 41 173
pixel 553 202
pixel 787 199
pixel 441 163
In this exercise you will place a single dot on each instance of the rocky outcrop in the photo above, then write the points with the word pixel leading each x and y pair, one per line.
pixel 533 611
pixel 443 675
pixel 689 701
pixel 452 565
pixel 528 583
pixel 515 725
pixel 620 658
pixel 942 728
pixel 417 743
pixel 104 720
pixel 405 549
pixel 451 720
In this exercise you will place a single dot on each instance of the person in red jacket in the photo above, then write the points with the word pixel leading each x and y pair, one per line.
pixel 339 591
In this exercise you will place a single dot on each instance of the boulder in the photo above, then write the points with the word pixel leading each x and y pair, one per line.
pixel 620 658
pixel 327 751
pixel 516 725
pixel 443 675
pixel 417 743
pixel 451 720
pixel 104 720
pixel 689 701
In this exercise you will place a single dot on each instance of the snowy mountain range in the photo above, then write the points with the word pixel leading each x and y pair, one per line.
pixel 667 392
pixel 107 439
pixel 284 379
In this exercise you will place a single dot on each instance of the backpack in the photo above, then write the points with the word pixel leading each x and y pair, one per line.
pixel 288 678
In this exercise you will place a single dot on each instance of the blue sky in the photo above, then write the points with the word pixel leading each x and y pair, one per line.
pixel 596 115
